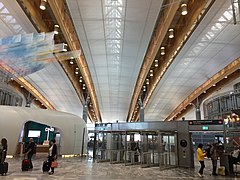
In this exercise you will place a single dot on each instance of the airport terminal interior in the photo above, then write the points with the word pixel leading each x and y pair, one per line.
pixel 119 89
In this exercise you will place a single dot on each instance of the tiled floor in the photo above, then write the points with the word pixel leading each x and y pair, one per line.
pixel 85 169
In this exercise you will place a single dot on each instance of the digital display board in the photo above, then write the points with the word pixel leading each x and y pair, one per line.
pixel 34 133
pixel 206 122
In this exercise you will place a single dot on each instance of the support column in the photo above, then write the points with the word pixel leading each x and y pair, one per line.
pixel 198 111
pixel 141 116
pixel 85 110
pixel 28 100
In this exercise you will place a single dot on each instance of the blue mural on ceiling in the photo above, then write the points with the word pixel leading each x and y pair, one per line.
pixel 27 53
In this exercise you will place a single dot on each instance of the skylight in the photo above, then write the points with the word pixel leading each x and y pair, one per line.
pixel 9 20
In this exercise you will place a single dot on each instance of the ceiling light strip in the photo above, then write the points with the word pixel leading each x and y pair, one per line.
pixel 59 9
pixel 229 69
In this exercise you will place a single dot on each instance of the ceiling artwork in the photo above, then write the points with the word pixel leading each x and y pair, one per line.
pixel 28 53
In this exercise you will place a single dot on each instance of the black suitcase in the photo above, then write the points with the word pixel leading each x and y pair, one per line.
pixel 46 166
pixel 25 164
pixel 136 157
pixel 3 168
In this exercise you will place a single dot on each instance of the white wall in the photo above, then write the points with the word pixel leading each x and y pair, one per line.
pixel 70 126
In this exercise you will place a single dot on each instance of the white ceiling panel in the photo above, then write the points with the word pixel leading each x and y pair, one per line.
pixel 210 48
pixel 94 29
pixel 54 85
pixel 116 35
pixel 135 14
pixel 99 60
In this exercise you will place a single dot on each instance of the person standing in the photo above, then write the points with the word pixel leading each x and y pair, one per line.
pixel 200 156
pixel 52 154
pixel 30 151
pixel 214 157
pixel 3 150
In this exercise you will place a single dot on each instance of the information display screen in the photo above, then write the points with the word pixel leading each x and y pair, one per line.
pixel 34 133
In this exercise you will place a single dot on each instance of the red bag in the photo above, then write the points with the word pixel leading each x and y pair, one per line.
pixel 54 164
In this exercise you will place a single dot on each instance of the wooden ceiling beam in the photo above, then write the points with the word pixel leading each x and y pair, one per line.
pixel 183 27
pixel 28 87
pixel 59 10
pixel 157 38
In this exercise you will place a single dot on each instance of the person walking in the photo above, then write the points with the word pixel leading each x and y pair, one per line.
pixel 30 151
pixel 200 156
pixel 214 157
pixel 3 150
pixel 52 154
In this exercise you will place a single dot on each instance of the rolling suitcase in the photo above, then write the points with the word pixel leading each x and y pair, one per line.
pixel 46 166
pixel 25 164
pixel 3 168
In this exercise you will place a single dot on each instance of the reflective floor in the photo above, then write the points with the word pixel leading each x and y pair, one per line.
pixel 86 169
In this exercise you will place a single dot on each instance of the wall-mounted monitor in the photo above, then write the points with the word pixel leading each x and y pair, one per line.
pixel 34 133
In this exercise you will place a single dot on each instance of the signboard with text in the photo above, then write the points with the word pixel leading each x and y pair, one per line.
pixel 206 122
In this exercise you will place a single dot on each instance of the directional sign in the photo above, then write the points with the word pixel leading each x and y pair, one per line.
pixel 206 122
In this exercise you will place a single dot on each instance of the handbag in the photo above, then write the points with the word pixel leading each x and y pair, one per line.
pixel 54 164
pixel 221 170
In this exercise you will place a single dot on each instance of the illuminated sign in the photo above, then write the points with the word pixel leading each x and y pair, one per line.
pixel 206 122
pixel 205 128
pixel 49 129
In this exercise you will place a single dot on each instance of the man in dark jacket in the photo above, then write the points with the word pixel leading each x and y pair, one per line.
pixel 30 151
pixel 3 150
pixel 214 157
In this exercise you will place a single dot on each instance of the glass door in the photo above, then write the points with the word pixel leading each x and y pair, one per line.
pixel 168 150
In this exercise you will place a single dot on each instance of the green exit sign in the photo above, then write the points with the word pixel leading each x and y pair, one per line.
pixel 205 128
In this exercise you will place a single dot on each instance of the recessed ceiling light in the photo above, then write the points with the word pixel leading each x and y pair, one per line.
pixel 43 5
pixel 171 35
pixel 162 50
pixel 184 9
pixel 56 29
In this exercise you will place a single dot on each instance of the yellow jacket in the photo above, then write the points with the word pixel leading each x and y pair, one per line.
pixel 200 154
